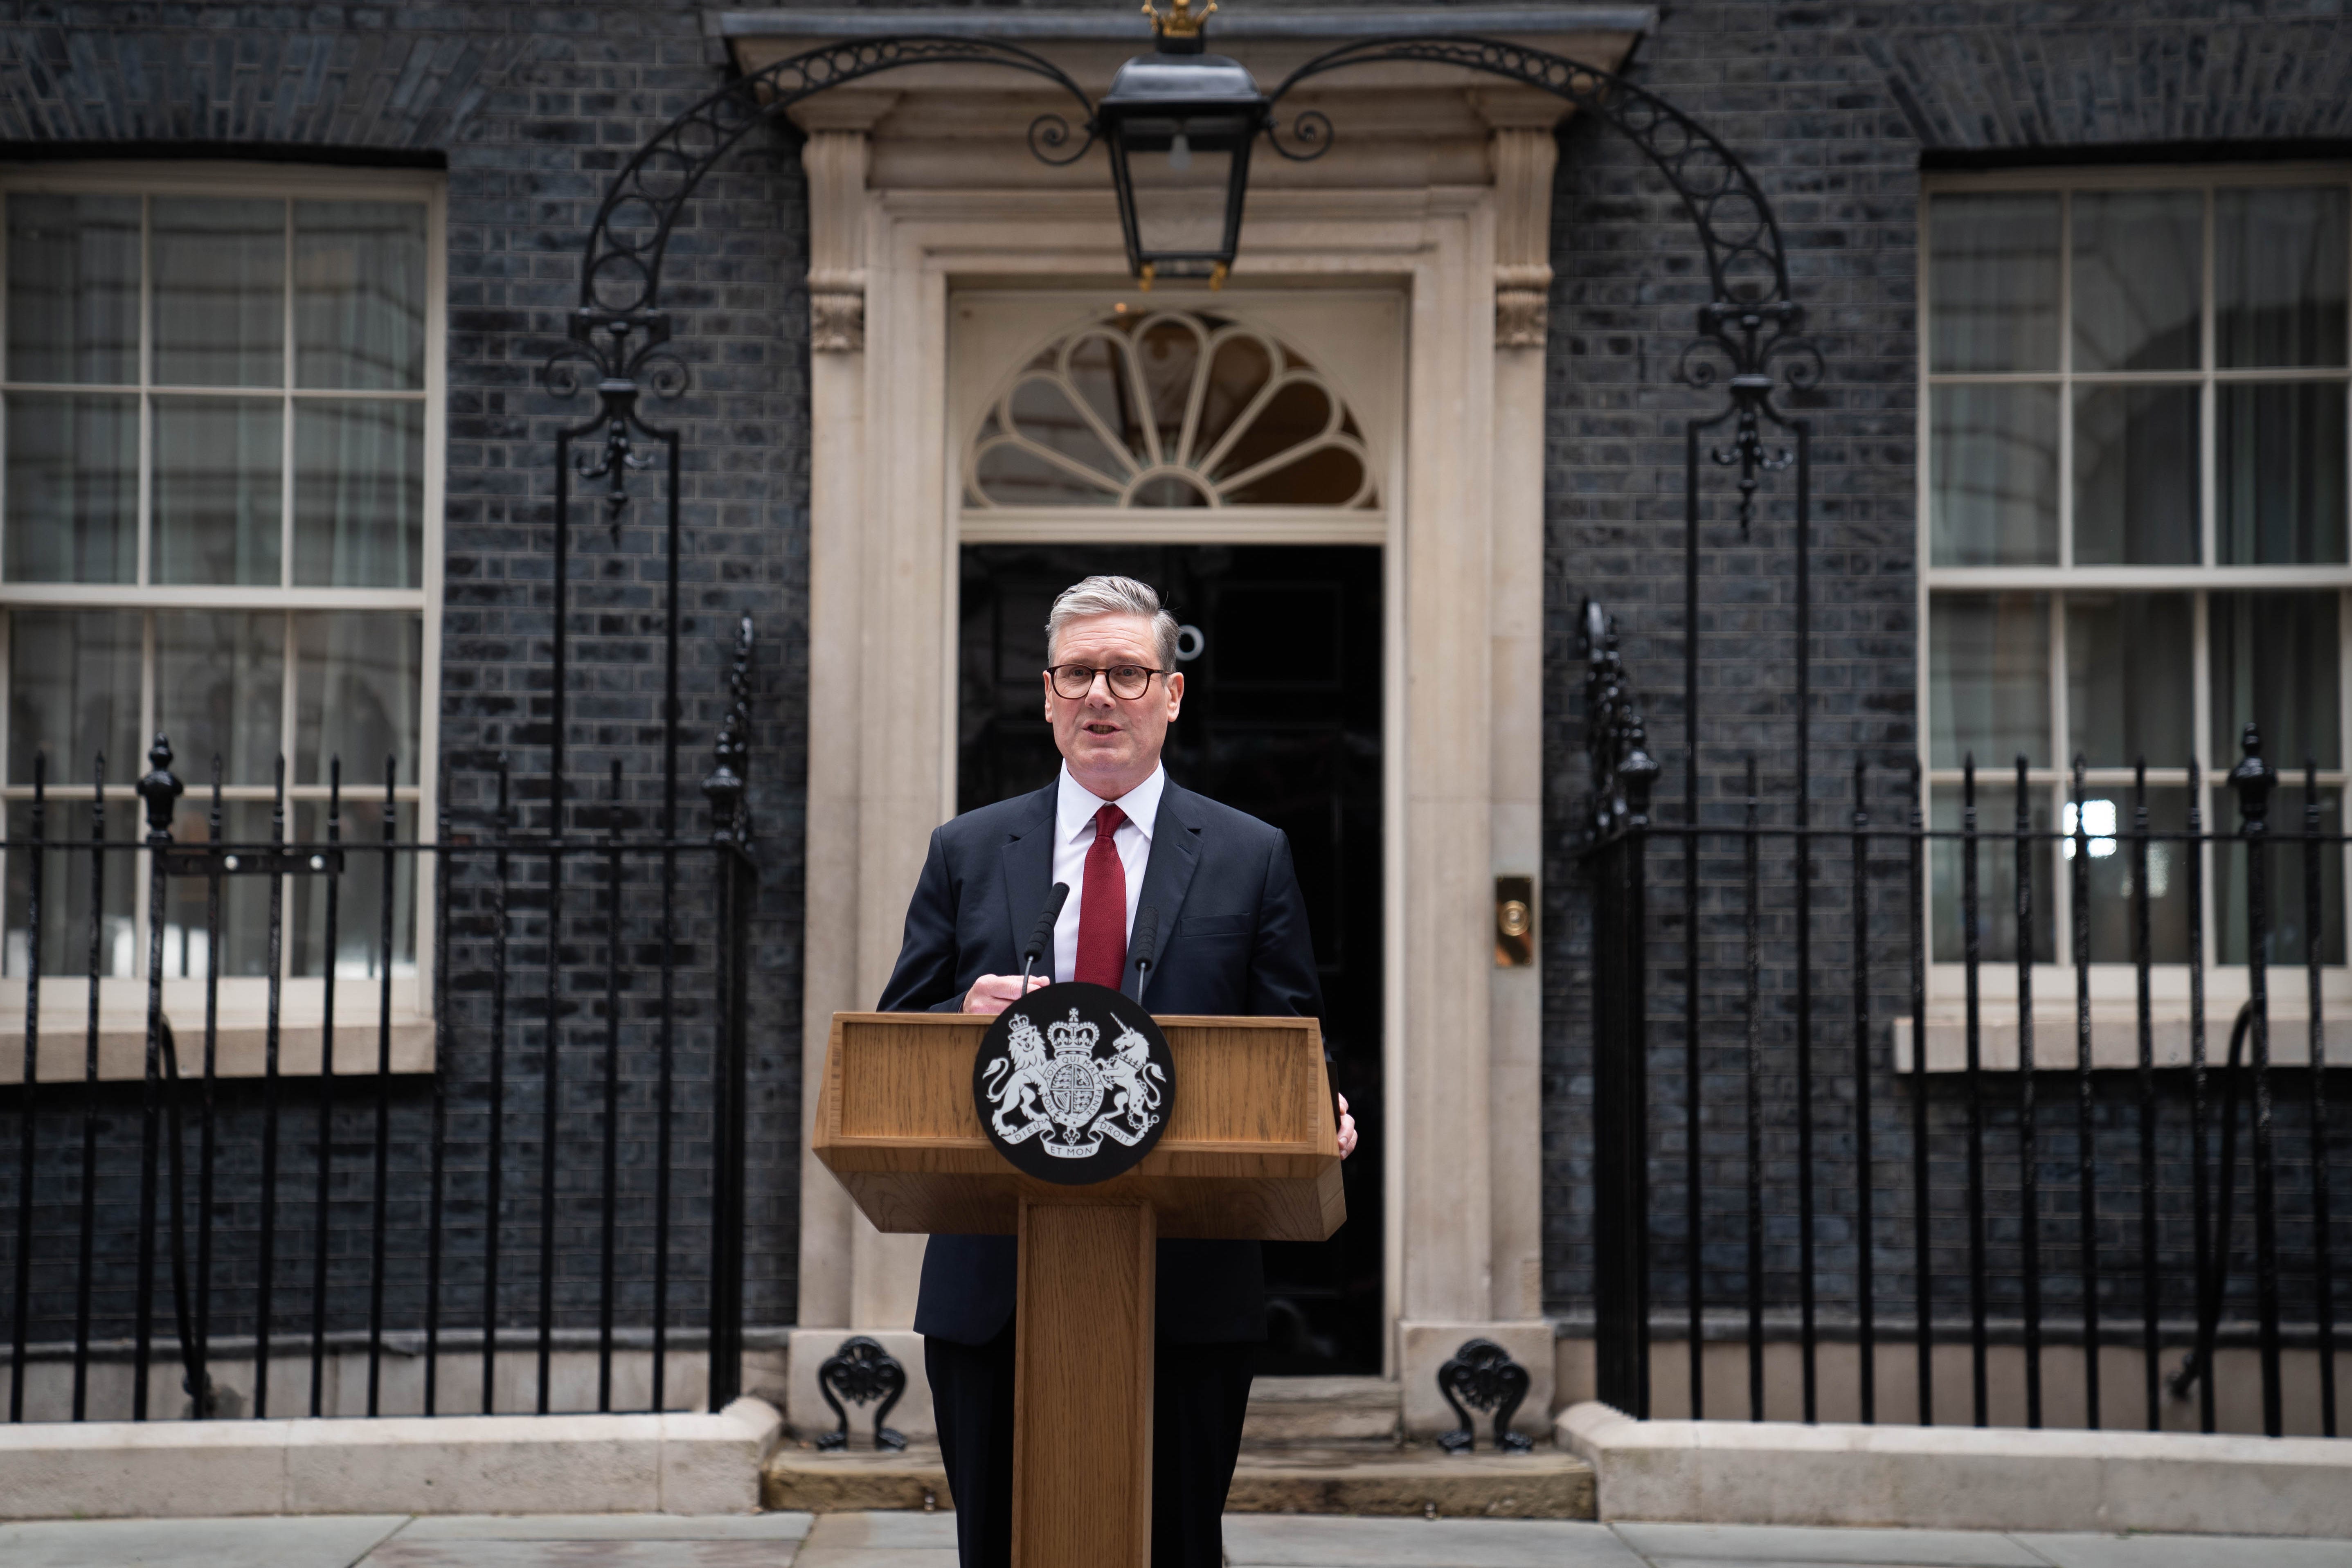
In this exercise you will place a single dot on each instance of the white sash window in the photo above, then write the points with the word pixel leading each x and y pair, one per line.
pixel 218 520
pixel 2133 527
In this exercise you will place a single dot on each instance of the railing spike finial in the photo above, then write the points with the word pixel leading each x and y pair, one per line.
pixel 1637 771
pixel 161 789
pixel 1615 739
pixel 725 785
pixel 2253 779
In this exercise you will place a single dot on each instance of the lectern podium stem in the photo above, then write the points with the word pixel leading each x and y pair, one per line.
pixel 1082 1405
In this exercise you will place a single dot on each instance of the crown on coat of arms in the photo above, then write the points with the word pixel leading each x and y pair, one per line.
pixel 1074 1039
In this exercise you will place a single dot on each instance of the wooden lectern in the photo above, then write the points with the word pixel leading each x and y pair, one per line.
pixel 1250 1151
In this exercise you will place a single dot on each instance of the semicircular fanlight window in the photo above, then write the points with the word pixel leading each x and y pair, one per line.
pixel 1175 409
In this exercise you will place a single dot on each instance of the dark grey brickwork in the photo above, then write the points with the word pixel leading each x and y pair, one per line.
pixel 531 107
pixel 1834 107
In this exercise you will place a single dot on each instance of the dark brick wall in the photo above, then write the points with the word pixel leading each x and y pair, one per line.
pixel 531 107
pixel 1833 106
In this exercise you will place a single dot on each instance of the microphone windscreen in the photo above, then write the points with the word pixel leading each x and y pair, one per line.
pixel 1147 936
pixel 1043 937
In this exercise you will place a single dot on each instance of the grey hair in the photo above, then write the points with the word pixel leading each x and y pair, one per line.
pixel 1108 596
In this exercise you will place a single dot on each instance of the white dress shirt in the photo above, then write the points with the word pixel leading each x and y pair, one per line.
pixel 1073 833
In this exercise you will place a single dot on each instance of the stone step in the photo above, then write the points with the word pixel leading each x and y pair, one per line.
pixel 1417 1479
pixel 1322 1410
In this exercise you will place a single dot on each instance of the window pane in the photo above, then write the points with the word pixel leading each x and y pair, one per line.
pixel 73 488
pixel 244 930
pixel 2282 877
pixel 2279 264
pixel 1996 863
pixel 359 915
pixel 2107 822
pixel 220 291
pixel 220 682
pixel 358 494
pixel 2275 665
pixel 65 891
pixel 356 697
pixel 1994 500
pixel 2280 490
pixel 2136 279
pixel 359 294
pixel 1989 686
pixel 73 288
pixel 2129 678
pixel 217 490
pixel 2136 476
pixel 73 692
pixel 1992 280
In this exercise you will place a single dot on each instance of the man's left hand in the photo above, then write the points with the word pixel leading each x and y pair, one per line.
pixel 1346 1130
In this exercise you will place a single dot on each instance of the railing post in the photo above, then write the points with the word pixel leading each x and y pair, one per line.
pixel 1637 771
pixel 2314 952
pixel 730 835
pixel 1623 774
pixel 18 1347
pixel 2253 779
pixel 160 791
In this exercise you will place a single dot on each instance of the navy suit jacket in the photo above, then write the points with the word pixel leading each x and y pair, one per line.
pixel 1233 941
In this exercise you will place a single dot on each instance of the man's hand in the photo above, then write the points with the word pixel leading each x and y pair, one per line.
pixel 1346 1130
pixel 991 994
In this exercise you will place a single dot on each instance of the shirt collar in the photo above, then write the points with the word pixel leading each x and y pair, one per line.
pixel 1075 805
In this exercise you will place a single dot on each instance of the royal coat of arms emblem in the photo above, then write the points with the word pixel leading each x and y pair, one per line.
pixel 1073 1083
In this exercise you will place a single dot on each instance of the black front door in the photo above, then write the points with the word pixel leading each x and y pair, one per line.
pixel 1282 719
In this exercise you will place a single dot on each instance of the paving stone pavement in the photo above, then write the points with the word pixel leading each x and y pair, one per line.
pixel 1252 1540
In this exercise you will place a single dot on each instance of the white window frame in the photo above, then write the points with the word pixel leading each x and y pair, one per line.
pixel 2113 986
pixel 243 999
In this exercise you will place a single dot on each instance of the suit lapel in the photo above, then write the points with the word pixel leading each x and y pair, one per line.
pixel 1028 862
pixel 1175 855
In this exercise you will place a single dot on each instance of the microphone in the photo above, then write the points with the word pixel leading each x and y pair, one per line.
pixel 1147 937
pixel 1042 939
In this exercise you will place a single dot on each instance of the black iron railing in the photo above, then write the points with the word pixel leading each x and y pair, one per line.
pixel 1788 1174
pixel 568 1172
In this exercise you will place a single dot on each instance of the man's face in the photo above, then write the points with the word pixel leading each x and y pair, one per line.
pixel 1111 743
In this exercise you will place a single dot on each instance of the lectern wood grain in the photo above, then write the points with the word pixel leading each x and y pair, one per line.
pixel 1082 1405
pixel 1250 1150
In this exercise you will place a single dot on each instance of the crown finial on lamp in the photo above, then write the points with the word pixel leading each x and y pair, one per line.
pixel 1180 20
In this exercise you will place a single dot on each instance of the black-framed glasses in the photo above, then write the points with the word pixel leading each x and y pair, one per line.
pixel 1073 682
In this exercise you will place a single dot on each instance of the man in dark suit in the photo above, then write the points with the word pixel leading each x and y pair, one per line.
pixel 1232 940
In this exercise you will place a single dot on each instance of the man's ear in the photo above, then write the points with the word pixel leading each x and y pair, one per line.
pixel 1175 693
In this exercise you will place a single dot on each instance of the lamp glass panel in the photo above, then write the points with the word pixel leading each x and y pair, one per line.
pixel 1182 173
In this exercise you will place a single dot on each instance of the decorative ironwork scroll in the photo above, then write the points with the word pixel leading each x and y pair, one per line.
pixel 619 332
pixel 861 1371
pixel 1483 1376
pixel 1751 329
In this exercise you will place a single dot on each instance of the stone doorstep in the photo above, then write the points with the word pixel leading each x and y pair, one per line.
pixel 1311 1410
pixel 1420 1482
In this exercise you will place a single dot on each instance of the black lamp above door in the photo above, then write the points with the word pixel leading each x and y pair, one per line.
pixel 1179 123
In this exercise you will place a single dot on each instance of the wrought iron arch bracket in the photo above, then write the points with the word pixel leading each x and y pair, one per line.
pixel 618 333
pixel 1751 330
pixel 1746 261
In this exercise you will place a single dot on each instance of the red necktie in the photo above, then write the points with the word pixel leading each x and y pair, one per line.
pixel 1102 906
